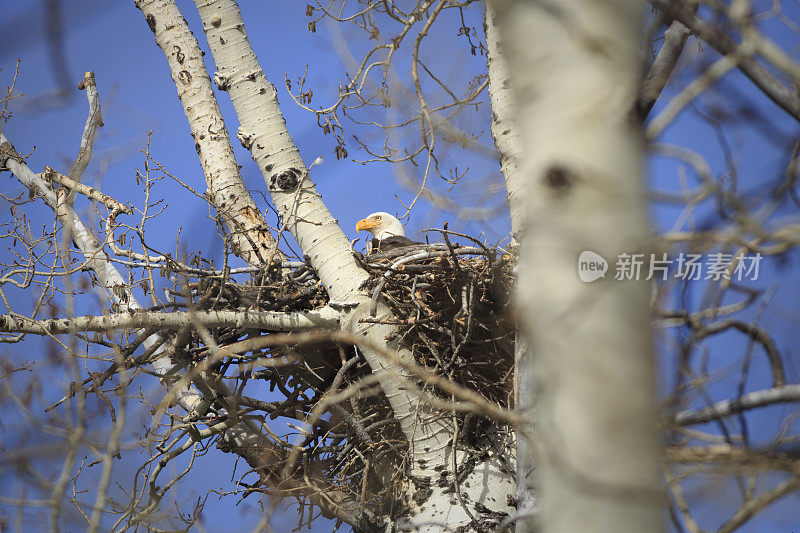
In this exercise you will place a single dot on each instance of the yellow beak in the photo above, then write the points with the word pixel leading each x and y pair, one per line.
pixel 365 223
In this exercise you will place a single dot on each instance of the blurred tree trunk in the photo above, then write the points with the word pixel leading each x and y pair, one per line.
pixel 590 356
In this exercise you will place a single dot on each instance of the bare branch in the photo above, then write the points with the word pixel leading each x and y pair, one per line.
pixel 753 400
pixel 93 121
pixel 244 221
pixel 661 70
pixel 89 192
pixel 325 318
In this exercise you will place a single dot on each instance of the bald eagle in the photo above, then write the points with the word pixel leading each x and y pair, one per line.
pixel 387 232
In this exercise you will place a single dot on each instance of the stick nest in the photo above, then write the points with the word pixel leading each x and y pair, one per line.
pixel 450 305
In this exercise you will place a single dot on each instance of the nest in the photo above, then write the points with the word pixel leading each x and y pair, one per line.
pixel 450 307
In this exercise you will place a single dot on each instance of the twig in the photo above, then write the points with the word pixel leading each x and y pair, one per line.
pixel 749 509
pixel 446 237
pixel 416 257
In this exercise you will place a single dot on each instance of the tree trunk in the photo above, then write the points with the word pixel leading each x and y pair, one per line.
pixel 574 72
pixel 505 129
pixel 226 191
pixel 508 141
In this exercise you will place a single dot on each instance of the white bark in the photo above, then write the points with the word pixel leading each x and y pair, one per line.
pixel 660 71
pixel 505 130
pixel 508 141
pixel 752 400
pixel 244 222
pixel 574 72
pixel 323 318
pixel 90 192
pixel 263 132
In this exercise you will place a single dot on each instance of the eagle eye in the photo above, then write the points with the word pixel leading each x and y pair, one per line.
pixel 377 217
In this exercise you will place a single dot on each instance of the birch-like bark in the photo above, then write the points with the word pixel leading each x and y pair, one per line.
pixel 508 141
pixel 263 131
pixel 323 318
pixel 574 72
pixel 505 130
pixel 245 224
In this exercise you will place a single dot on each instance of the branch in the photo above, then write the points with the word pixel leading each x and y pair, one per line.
pixel 89 192
pixel 747 459
pixel 324 318
pixel 263 131
pixel 116 287
pixel 333 503
pixel 758 335
pixel 661 70
pixel 749 509
pixel 93 121
pixel 784 97
pixel 762 398
pixel 720 67
pixel 474 401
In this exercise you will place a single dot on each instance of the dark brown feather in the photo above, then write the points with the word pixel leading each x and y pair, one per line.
pixel 390 243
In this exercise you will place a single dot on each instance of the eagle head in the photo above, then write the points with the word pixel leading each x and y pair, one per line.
pixel 381 225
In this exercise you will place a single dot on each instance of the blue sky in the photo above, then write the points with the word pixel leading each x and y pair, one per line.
pixel 138 96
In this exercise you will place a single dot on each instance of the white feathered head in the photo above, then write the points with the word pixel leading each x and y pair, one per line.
pixel 381 225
